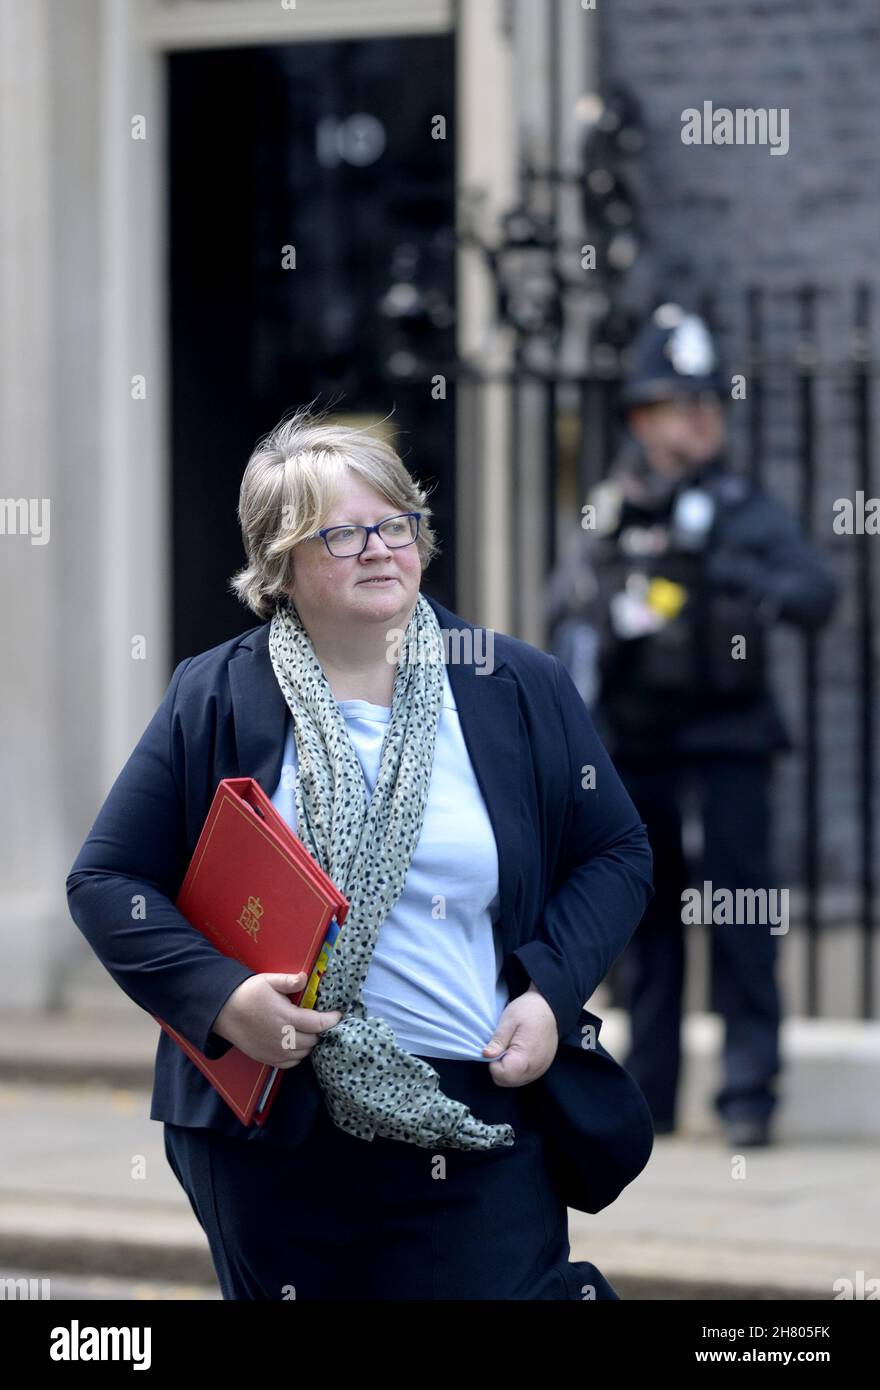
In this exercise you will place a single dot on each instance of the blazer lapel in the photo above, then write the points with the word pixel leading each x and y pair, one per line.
pixel 489 719
pixel 259 710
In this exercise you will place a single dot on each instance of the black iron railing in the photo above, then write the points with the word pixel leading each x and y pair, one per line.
pixel 775 339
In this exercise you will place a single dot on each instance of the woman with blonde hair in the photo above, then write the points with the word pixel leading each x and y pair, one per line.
pixel 447 1097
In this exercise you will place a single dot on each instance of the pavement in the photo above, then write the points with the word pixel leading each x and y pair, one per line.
pixel 88 1201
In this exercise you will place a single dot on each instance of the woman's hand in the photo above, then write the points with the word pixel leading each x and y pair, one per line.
pixel 258 1019
pixel 527 1029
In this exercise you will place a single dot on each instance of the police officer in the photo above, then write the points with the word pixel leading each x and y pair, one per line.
pixel 660 611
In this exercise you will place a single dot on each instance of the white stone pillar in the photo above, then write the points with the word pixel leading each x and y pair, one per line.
pixel 485 158
pixel 576 59
pixel 31 887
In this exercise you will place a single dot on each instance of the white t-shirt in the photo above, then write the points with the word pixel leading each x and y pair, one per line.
pixel 436 974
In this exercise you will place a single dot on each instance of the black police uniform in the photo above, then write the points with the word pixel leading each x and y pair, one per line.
pixel 714 561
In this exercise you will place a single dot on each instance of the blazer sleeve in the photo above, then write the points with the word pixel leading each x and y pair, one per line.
pixel 605 878
pixel 121 887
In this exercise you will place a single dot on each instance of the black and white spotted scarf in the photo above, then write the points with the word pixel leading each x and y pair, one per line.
pixel 371 1085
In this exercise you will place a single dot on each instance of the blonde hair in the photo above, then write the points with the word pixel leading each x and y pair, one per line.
pixel 293 478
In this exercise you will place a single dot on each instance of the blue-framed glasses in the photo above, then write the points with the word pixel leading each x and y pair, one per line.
pixel 396 531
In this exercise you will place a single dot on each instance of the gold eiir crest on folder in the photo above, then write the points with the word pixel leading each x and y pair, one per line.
pixel 251 915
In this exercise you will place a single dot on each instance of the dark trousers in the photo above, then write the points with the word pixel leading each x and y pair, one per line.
pixel 338 1218
pixel 734 803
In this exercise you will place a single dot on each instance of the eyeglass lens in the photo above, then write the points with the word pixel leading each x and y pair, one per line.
pixel 397 531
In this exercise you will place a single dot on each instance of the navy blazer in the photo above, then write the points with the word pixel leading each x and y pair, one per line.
pixel 574 869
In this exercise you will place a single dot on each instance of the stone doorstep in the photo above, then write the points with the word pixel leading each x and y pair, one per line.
pixel 78 1046
pixel 115 1240
pixel 684 1268
pixel 829 1088
pixel 837 1060
pixel 76 1236
pixel 127 1040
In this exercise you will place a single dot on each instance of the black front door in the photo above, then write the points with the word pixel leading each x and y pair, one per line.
pixel 311 258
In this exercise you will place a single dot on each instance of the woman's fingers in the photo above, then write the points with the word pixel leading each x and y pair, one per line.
pixel 300 1031
pixel 315 1021
pixel 299 1043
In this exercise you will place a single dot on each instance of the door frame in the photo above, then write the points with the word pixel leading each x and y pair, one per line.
pixel 136 462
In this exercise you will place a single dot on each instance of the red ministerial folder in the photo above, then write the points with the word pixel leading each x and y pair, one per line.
pixel 254 890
